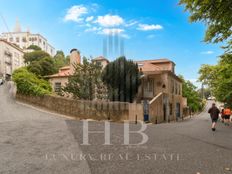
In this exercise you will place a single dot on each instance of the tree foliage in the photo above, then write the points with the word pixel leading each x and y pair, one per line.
pixel 193 97
pixel 34 47
pixel 40 63
pixel 35 56
pixel 29 84
pixel 219 78
pixel 43 67
pixel 85 81
pixel 60 59
pixel 122 79
pixel 216 14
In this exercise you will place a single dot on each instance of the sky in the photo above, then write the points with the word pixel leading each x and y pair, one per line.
pixel 150 29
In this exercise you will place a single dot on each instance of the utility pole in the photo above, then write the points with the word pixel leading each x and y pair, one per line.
pixel 202 90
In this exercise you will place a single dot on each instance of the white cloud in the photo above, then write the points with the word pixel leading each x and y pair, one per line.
pixel 93 29
pixel 112 31
pixel 131 23
pixel 109 20
pixel 90 18
pixel 75 13
pixel 147 27
pixel 207 52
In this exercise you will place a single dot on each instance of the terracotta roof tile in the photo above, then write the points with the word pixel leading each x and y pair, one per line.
pixel 63 72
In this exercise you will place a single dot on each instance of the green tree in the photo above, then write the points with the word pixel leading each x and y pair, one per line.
pixel 29 84
pixel 67 60
pixel 34 47
pixel 122 79
pixel 59 59
pixel 193 97
pixel 43 67
pixel 218 78
pixel 83 84
pixel 206 92
pixel 35 56
pixel 40 63
pixel 216 14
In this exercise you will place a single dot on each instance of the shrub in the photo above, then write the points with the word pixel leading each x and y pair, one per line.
pixel 29 84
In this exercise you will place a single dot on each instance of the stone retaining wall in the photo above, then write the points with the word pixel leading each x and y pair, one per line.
pixel 97 110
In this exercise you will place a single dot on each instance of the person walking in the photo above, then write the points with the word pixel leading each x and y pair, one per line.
pixel 214 114
pixel 227 113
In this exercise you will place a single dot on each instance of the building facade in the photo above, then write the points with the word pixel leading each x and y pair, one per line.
pixel 11 58
pixel 102 61
pixel 160 91
pixel 159 97
pixel 60 79
pixel 25 39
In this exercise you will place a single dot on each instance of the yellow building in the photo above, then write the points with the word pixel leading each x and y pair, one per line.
pixel 160 91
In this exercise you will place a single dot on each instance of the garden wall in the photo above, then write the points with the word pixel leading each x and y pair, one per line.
pixel 97 110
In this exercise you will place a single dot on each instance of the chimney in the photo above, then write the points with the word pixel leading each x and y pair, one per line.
pixel 75 58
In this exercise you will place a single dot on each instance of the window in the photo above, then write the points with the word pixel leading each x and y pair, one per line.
pixel 39 40
pixel 17 39
pixel 173 88
pixel 11 39
pixel 24 39
pixel 57 87
pixel 170 108
pixel 149 85
pixel 30 39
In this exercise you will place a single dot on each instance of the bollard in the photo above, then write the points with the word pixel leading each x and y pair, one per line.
pixel 136 119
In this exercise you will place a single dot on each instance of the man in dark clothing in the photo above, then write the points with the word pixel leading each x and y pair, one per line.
pixel 214 114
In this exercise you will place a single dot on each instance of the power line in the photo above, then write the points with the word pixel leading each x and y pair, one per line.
pixel 5 23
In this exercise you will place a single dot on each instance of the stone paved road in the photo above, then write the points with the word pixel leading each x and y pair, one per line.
pixel 32 141
pixel 28 135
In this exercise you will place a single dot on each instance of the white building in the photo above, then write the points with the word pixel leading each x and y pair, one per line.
pixel 11 58
pixel 25 39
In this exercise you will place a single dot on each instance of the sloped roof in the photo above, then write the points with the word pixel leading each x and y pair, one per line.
pixel 100 58
pixel 163 60
pixel 151 65
pixel 147 66
pixel 12 45
pixel 63 72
